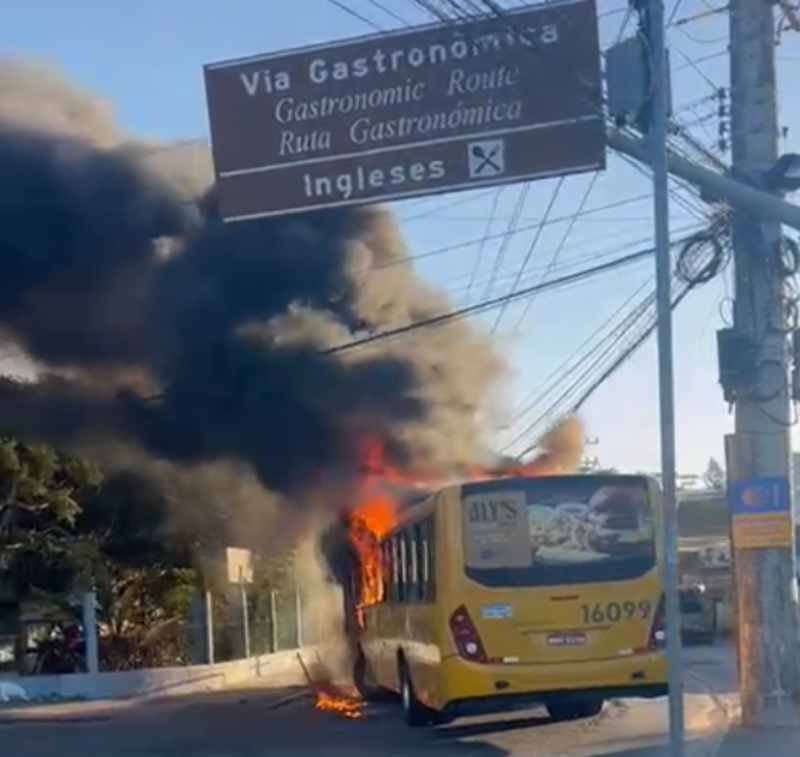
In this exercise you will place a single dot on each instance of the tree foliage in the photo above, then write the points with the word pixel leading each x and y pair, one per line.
pixel 144 611
pixel 65 527
pixel 42 550
pixel 714 476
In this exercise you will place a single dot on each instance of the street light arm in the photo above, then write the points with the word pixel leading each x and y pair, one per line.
pixel 713 184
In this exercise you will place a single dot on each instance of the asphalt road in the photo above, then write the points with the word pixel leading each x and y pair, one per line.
pixel 256 723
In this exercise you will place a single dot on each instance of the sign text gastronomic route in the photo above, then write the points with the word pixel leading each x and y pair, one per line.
pixel 425 110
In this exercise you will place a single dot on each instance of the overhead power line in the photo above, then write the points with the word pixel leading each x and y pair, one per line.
pixel 481 307
pixel 495 302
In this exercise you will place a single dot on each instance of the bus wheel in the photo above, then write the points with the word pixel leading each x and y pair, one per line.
pixel 367 691
pixel 360 674
pixel 414 713
pixel 575 710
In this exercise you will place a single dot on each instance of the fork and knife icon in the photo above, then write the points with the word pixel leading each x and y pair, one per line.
pixel 488 159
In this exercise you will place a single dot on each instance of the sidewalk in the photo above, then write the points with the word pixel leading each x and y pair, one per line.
pixel 740 742
pixel 715 670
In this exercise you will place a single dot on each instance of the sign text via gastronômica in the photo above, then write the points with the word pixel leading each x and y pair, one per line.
pixel 534 68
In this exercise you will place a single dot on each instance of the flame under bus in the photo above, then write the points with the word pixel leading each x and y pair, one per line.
pixel 504 594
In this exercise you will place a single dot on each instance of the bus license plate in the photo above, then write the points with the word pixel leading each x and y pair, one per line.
pixel 570 639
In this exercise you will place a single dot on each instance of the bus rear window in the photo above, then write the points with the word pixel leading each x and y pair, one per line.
pixel 557 530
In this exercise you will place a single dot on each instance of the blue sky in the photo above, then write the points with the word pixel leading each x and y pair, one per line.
pixel 145 57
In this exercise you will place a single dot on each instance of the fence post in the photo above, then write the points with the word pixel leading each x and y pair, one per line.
pixel 298 601
pixel 245 614
pixel 208 625
pixel 89 618
pixel 273 621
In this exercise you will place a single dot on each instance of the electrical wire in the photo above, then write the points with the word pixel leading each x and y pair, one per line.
pixel 594 342
pixel 691 246
pixel 560 247
pixel 494 302
pixel 452 316
pixel 699 261
pixel 566 406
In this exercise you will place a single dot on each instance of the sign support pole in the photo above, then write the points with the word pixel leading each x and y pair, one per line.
pixel 245 613
pixel 657 137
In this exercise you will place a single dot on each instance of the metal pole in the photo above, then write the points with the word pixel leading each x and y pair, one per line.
pixel 245 614
pixel 208 625
pixel 89 621
pixel 273 621
pixel 769 674
pixel 298 605
pixel 666 374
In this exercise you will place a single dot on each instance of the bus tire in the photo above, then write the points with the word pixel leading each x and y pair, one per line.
pixel 361 680
pixel 415 714
pixel 561 712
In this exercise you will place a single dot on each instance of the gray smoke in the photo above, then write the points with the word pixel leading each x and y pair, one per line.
pixel 118 279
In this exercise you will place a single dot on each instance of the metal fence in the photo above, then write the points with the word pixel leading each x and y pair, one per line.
pixel 217 627
pixel 274 620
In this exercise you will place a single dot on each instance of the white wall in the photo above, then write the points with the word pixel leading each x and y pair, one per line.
pixel 283 667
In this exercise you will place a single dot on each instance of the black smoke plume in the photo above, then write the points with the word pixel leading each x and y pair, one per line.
pixel 162 334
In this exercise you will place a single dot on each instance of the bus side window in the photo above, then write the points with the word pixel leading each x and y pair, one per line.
pixel 422 560
pixel 403 567
pixel 429 583
pixel 395 569
pixel 386 572
pixel 424 566
pixel 414 579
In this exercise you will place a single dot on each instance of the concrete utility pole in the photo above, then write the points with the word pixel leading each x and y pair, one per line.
pixel 769 674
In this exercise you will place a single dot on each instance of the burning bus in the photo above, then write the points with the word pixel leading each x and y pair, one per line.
pixel 507 592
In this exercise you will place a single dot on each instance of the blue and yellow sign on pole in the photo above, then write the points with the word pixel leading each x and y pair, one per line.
pixel 761 513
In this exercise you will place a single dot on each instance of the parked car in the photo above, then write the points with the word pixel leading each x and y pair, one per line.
pixel 698 616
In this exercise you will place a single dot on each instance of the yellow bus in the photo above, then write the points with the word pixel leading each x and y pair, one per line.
pixel 505 594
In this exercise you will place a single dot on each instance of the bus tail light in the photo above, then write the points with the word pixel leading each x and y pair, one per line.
pixel 658 631
pixel 465 636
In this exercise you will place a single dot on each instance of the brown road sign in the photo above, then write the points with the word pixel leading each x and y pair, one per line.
pixel 282 125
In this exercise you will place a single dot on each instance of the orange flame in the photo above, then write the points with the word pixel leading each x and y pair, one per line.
pixel 346 706
pixel 375 514
pixel 378 505
pixel 377 509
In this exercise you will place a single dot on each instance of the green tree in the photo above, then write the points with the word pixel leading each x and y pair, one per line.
pixel 714 476
pixel 41 552
pixel 144 578
pixel 64 526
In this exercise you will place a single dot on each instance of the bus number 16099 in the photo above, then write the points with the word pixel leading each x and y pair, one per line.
pixel 614 612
